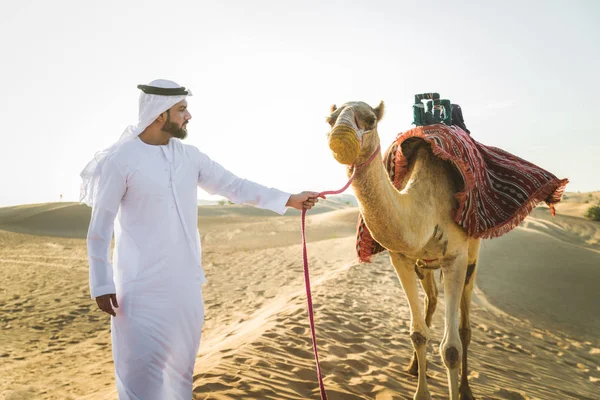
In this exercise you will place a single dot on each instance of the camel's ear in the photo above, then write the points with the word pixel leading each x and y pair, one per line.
pixel 333 108
pixel 379 111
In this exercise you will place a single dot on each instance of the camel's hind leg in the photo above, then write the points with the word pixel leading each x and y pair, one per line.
pixel 419 332
pixel 465 324
pixel 431 292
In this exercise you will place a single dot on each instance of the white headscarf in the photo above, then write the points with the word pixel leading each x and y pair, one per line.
pixel 150 108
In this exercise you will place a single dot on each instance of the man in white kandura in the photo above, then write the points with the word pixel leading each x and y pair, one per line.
pixel 148 181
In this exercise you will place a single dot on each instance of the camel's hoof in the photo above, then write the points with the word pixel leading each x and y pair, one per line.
pixel 464 393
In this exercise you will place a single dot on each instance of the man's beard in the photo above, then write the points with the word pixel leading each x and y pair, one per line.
pixel 175 130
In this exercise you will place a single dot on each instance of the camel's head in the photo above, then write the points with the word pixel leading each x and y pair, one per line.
pixel 352 124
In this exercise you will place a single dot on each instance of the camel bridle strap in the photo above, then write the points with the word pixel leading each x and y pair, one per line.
pixel 306 273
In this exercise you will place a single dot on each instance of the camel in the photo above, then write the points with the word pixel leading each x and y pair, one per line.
pixel 414 224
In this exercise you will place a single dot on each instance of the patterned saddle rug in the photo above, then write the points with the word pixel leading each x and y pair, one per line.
pixel 499 189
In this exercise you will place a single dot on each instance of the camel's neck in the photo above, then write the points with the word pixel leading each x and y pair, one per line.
pixel 387 212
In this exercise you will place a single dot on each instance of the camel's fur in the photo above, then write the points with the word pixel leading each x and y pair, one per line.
pixel 415 223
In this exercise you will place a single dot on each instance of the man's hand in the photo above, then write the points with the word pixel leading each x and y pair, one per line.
pixel 104 303
pixel 304 200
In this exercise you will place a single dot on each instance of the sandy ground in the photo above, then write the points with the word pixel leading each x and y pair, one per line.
pixel 535 327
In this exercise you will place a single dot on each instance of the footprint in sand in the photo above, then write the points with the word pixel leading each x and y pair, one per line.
pixel 298 330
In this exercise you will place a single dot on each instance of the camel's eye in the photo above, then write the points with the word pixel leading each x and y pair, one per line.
pixel 370 122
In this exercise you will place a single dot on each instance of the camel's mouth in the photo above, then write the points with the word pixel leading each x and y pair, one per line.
pixel 344 138
pixel 344 144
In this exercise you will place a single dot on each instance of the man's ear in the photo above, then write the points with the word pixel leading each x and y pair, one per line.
pixel 162 117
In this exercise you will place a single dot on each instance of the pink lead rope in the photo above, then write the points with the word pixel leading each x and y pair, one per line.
pixel 306 274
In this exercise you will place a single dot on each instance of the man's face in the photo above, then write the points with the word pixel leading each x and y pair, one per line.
pixel 177 120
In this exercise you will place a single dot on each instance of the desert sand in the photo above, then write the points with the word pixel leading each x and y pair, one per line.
pixel 535 319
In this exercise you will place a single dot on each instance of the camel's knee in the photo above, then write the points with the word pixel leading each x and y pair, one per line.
pixel 418 340
pixel 451 355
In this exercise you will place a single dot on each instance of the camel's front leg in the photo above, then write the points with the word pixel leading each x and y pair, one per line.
pixel 454 270
pixel 431 295
pixel 419 332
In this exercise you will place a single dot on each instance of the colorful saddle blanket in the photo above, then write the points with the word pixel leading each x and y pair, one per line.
pixel 499 189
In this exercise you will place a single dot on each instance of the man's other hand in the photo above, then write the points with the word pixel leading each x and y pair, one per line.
pixel 106 303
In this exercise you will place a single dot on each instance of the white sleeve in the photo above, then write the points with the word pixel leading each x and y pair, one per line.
pixel 215 179
pixel 111 188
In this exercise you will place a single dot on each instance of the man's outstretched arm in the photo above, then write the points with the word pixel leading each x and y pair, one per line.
pixel 217 180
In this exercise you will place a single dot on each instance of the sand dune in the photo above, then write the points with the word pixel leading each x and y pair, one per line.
pixel 576 204
pixel 534 331
pixel 575 230
pixel 71 219
pixel 535 274
pixel 51 219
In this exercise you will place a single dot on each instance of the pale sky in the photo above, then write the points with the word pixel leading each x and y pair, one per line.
pixel 264 74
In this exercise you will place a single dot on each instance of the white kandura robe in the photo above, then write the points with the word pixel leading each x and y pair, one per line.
pixel 158 275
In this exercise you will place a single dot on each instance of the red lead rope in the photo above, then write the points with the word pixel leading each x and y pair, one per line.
pixel 307 278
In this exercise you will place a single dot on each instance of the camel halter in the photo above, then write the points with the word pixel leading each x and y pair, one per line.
pixel 306 274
